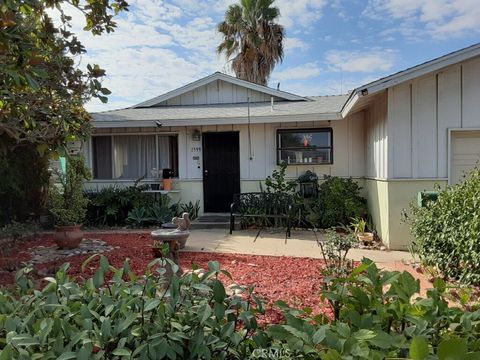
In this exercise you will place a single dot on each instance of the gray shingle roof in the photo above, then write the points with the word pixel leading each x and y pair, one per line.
pixel 317 105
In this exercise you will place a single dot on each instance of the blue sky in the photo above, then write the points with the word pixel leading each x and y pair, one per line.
pixel 331 46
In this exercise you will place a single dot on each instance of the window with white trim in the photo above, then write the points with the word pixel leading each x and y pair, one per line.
pixel 305 146
pixel 130 157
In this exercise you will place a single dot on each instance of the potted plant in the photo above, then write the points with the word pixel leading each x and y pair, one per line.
pixel 68 204
pixel 359 227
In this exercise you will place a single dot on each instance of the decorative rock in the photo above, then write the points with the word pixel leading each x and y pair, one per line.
pixel 42 254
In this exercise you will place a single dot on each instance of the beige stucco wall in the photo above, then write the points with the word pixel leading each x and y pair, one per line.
pixel 387 201
pixel 377 200
pixel 400 195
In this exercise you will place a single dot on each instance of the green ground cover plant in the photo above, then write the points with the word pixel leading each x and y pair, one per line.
pixel 447 231
pixel 116 314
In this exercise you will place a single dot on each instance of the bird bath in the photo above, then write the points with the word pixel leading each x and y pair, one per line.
pixel 176 238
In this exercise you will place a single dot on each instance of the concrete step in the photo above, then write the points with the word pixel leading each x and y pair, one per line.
pixel 213 221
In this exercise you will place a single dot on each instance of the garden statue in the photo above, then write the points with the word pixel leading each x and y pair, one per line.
pixel 183 223
pixel 176 239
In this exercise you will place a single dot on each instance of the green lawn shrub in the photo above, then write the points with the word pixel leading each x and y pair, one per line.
pixel 110 205
pixel 379 317
pixel 117 315
pixel 338 202
pixel 132 206
pixel 447 231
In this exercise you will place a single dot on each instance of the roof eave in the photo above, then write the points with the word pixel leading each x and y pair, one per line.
pixel 420 70
pixel 409 74
pixel 218 121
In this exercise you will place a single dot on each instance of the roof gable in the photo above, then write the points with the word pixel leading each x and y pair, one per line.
pixel 219 88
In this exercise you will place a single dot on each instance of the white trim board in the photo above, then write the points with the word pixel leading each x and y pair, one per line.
pixel 220 121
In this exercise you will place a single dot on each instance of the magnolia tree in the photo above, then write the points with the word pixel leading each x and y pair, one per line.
pixel 42 90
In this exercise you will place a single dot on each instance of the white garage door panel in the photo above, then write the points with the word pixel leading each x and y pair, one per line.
pixel 465 153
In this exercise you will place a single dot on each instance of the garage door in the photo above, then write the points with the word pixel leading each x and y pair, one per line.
pixel 465 154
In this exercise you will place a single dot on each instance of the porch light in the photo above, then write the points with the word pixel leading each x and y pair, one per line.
pixel 196 134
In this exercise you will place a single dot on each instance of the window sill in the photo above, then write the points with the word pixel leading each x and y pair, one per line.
pixel 145 181
pixel 308 164
pixel 163 192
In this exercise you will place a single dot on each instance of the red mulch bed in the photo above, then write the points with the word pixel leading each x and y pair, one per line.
pixel 297 281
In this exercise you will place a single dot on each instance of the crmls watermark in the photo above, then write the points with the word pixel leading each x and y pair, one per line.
pixel 270 353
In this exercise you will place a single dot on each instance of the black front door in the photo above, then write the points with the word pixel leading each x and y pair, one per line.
pixel 221 170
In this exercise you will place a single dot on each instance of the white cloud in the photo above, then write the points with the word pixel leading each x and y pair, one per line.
pixel 152 51
pixel 155 9
pixel 292 44
pixel 438 18
pixel 300 13
pixel 360 61
pixel 160 45
pixel 305 71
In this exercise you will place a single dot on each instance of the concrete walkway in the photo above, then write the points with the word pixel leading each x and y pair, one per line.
pixel 300 244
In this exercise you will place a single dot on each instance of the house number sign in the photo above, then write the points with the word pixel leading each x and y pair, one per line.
pixel 196 149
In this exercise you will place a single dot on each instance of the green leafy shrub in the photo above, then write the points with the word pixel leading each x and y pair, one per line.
pixel 338 202
pixel 160 212
pixel 110 205
pixel 277 182
pixel 447 231
pixel 68 204
pixel 378 318
pixel 334 249
pixel 115 206
pixel 24 175
pixel 118 315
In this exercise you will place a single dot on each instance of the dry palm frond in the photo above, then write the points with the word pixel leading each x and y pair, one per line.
pixel 252 40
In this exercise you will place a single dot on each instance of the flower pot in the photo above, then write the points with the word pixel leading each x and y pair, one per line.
pixel 365 237
pixel 68 237
pixel 167 184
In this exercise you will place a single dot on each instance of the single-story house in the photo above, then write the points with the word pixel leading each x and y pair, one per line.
pixel 220 135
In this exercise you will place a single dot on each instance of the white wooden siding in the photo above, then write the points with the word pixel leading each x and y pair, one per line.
pixel 421 112
pixel 218 92
pixel 376 139
pixel 348 148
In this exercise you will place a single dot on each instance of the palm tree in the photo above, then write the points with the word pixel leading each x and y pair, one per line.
pixel 252 40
